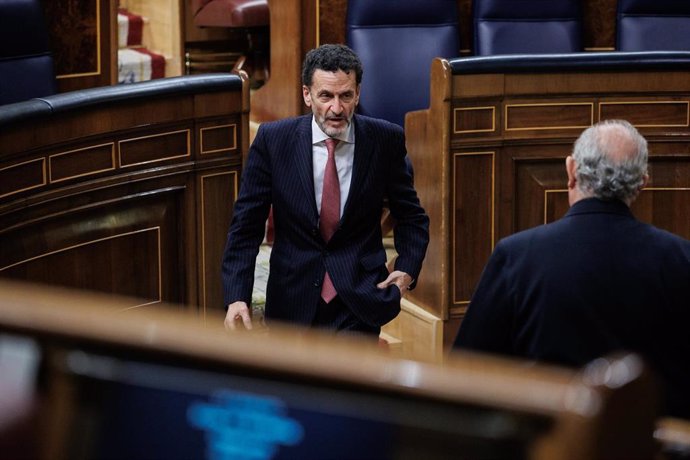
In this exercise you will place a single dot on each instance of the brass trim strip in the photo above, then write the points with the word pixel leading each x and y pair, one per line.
pixel 687 111
pixel 666 189
pixel 157 160
pixel 591 115
pixel 112 157
pixel 203 229
pixel 98 240
pixel 43 172
pixel 467 131
pixel 234 139
pixel 318 24
pixel 493 214
pixel 546 192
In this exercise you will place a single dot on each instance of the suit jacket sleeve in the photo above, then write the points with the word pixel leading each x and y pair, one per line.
pixel 411 233
pixel 488 324
pixel 248 224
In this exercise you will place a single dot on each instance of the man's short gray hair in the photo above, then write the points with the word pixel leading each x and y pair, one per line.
pixel 604 169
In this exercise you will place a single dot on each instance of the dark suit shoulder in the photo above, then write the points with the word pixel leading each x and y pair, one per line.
pixel 285 126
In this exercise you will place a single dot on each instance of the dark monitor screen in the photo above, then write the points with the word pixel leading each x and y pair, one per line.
pixel 139 409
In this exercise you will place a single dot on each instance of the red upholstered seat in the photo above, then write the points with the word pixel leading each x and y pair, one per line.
pixel 230 13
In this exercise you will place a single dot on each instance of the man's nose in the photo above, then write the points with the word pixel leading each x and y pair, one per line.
pixel 337 106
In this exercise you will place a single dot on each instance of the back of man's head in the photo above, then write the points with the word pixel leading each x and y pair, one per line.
pixel 611 158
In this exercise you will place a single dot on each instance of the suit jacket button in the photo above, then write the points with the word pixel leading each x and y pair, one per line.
pixel 317 283
pixel 314 232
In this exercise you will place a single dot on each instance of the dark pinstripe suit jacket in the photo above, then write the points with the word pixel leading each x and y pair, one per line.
pixel 279 172
pixel 591 283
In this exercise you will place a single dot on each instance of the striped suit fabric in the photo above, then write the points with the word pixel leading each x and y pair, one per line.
pixel 279 173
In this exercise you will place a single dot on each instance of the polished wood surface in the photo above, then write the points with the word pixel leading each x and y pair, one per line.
pixel 131 197
pixel 83 38
pixel 548 412
pixel 489 161
pixel 294 31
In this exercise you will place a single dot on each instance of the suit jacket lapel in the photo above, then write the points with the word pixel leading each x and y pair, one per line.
pixel 304 161
pixel 364 151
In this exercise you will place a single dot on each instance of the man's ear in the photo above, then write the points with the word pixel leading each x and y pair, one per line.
pixel 645 181
pixel 306 94
pixel 571 168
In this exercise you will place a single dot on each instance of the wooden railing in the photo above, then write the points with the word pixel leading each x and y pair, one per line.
pixel 166 384
pixel 126 189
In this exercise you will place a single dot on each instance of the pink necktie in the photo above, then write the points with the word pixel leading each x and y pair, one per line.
pixel 330 211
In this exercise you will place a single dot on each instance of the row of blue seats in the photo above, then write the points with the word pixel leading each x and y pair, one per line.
pixel 397 40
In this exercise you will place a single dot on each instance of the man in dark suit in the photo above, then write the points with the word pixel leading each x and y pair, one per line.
pixel 595 281
pixel 328 264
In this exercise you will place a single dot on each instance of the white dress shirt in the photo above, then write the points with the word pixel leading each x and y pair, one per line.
pixel 344 158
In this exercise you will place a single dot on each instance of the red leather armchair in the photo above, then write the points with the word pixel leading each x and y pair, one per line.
pixel 251 15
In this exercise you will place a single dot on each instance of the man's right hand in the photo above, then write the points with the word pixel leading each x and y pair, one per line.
pixel 236 311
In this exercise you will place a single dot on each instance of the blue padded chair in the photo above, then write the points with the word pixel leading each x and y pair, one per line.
pixel 653 25
pixel 397 41
pixel 26 63
pixel 526 26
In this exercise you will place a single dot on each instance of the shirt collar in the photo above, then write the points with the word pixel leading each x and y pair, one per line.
pixel 317 135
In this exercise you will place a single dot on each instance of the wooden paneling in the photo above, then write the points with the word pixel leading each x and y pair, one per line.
pixel 125 197
pixel 294 31
pixel 83 38
pixel 505 147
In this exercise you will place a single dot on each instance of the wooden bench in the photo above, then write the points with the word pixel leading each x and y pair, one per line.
pixel 125 189
pixel 489 155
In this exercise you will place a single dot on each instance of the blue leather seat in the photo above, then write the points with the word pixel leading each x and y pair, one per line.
pixel 653 25
pixel 397 42
pixel 26 63
pixel 526 26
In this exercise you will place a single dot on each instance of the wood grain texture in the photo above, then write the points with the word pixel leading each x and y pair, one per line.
pixel 120 198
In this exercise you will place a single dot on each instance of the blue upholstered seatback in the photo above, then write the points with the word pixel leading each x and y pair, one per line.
pixel 653 25
pixel 397 41
pixel 526 26
pixel 26 64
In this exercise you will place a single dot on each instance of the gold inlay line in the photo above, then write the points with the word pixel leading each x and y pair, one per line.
pixel 203 228
pixel 157 160
pixel 546 198
pixel 99 240
pixel 468 131
pixel 544 104
pixel 44 179
pixel 318 24
pixel 67 248
pixel 683 125
pixel 112 159
pixel 234 138
pixel 492 205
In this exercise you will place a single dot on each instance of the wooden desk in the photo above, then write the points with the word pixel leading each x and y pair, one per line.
pixel 306 395
pixel 489 152
pixel 126 189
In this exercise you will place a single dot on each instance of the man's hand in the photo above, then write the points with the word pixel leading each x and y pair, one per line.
pixel 238 310
pixel 400 279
